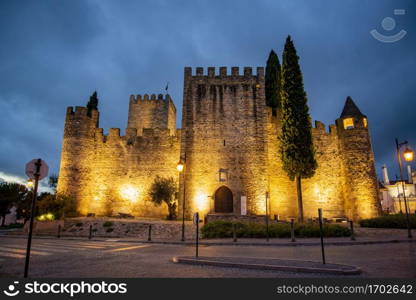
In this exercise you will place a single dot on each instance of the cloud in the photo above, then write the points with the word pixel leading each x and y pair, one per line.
pixel 54 54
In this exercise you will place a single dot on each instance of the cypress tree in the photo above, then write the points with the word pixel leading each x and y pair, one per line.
pixel 273 82
pixel 92 103
pixel 298 155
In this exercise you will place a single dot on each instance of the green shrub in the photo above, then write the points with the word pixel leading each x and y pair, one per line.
pixel 224 229
pixel 108 224
pixel 389 221
pixel 13 225
pixel 109 229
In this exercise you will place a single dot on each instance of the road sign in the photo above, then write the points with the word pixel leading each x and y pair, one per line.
pixel 196 218
pixel 31 169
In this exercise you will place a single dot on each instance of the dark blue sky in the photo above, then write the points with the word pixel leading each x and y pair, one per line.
pixel 54 54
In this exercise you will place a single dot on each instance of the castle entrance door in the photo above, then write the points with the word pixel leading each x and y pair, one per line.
pixel 223 200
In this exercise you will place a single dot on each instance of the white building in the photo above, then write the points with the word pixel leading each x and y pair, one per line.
pixel 391 192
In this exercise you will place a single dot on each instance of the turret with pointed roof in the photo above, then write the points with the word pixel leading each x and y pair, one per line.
pixel 351 109
pixel 358 161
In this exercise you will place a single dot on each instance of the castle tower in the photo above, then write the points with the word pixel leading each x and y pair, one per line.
pixel 77 145
pixel 224 141
pixel 358 163
pixel 149 112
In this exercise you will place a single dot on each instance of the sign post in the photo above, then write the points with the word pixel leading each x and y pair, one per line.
pixel 322 234
pixel 36 169
pixel 267 217
pixel 196 222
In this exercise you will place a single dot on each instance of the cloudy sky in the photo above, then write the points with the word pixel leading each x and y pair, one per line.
pixel 54 54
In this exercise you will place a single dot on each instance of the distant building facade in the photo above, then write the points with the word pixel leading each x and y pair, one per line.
pixel 391 192
pixel 229 143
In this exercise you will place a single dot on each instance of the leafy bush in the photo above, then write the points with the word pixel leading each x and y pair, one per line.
pixel 13 225
pixel 389 221
pixel 59 205
pixel 109 230
pixel 224 229
pixel 108 224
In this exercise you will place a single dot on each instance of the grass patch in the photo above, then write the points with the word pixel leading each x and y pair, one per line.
pixel 224 229
pixel 108 224
pixel 389 221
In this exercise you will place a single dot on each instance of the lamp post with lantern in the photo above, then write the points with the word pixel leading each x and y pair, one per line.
pixel 181 167
pixel 408 156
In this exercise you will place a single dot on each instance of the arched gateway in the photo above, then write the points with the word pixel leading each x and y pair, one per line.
pixel 223 200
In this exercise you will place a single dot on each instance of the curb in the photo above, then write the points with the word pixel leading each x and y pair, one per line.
pixel 204 243
pixel 196 261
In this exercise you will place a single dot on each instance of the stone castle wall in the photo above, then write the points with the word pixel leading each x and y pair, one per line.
pixel 110 174
pixel 228 138
pixel 151 112
pixel 224 121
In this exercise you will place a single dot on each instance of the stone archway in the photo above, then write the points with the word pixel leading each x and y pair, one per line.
pixel 223 200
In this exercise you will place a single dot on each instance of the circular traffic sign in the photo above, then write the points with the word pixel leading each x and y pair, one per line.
pixel 32 166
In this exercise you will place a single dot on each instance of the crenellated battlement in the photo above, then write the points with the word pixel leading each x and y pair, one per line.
pixel 223 72
pixel 151 111
pixel 152 98
pixel 320 128
pixel 149 136
pixel 80 112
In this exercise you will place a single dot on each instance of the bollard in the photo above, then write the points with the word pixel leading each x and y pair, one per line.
pixel 90 235
pixel 196 222
pixel 352 231
pixel 197 238
pixel 322 234
pixel 292 230
pixel 234 233
pixel 59 231
pixel 149 237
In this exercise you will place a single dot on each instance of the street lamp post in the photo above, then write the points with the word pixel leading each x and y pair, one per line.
pixel 408 156
pixel 181 167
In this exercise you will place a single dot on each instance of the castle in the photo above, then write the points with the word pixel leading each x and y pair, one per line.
pixel 229 144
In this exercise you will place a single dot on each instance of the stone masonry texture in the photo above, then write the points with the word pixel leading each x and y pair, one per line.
pixel 229 138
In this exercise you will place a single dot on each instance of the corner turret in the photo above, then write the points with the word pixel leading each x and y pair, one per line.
pixel 358 158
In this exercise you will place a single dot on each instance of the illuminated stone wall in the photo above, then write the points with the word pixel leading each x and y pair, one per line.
pixel 229 138
pixel 110 174
pixel 224 120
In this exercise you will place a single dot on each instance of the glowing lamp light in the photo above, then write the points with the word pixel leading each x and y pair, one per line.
pixel 130 193
pixel 180 166
pixel 408 154
pixel 30 183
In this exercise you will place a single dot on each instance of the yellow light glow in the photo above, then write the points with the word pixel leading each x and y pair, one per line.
pixel 365 122
pixel 201 202
pixel 129 192
pixel 49 216
pixel 179 167
pixel 30 183
pixel 408 154
pixel 348 123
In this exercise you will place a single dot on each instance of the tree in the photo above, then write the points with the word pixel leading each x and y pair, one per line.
pixel 59 205
pixel 92 103
pixel 273 82
pixel 10 194
pixel 53 181
pixel 164 190
pixel 23 207
pixel 297 151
